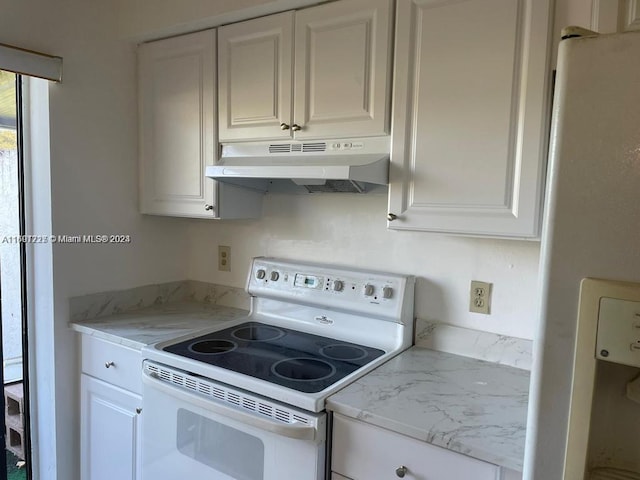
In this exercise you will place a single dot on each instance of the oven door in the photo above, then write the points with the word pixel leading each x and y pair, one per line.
pixel 187 434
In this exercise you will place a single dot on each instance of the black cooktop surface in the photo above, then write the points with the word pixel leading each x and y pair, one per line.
pixel 300 361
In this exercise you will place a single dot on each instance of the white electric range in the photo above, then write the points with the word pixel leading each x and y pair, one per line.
pixel 245 400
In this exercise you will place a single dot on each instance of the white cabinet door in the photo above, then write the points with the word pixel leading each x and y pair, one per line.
pixel 177 125
pixel 110 431
pixel 255 84
pixel 342 69
pixel 471 108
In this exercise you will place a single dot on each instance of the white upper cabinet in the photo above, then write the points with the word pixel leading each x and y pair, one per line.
pixel 471 106
pixel 177 81
pixel 343 69
pixel 255 78
pixel 610 17
pixel 341 62
pixel 177 129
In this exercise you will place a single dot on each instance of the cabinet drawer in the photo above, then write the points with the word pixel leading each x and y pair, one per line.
pixel 124 363
pixel 365 452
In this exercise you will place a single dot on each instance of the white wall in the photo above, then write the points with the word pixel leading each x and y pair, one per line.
pixel 93 172
pixel 351 230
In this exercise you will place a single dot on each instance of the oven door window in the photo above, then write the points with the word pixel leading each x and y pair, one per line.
pixel 218 446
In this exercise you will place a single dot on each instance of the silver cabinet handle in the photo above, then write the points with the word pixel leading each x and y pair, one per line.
pixel 401 471
pixel 284 126
pixel 138 410
pixel 208 207
pixel 109 364
pixel 295 127
pixel 391 216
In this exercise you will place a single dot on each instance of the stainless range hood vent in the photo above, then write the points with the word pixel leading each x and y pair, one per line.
pixel 346 165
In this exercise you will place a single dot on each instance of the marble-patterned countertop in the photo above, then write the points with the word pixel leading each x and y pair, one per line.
pixel 157 323
pixel 470 406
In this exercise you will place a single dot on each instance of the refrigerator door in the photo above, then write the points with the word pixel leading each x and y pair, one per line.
pixel 592 220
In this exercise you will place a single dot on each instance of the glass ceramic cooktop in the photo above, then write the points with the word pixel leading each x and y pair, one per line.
pixel 300 361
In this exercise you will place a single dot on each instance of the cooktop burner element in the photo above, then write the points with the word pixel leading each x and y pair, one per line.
pixel 297 360
pixel 212 347
pixel 303 369
pixel 340 351
pixel 257 333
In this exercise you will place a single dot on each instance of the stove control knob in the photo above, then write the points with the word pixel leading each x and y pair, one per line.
pixel 368 290
pixel 260 274
pixel 338 285
pixel 275 276
pixel 387 292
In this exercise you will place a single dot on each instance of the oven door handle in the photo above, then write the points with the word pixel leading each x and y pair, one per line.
pixel 295 430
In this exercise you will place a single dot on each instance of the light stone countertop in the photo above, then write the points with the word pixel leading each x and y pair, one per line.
pixel 469 406
pixel 157 323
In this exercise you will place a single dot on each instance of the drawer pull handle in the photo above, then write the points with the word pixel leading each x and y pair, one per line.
pixel 138 410
pixel 109 364
pixel 401 471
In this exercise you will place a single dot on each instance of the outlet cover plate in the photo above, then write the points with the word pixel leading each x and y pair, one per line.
pixel 224 258
pixel 480 297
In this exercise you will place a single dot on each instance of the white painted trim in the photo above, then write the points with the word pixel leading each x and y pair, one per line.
pixel 39 271
pixel 27 62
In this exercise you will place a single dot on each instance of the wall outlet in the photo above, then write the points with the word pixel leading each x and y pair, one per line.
pixel 224 258
pixel 480 297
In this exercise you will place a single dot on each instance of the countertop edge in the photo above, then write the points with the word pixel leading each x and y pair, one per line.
pixel 94 332
pixel 402 429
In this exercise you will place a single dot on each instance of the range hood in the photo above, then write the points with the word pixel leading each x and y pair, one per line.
pixel 347 165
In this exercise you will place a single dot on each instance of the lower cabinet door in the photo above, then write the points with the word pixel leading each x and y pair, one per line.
pixel 109 431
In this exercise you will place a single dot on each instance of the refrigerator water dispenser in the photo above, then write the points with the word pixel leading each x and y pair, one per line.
pixel 603 442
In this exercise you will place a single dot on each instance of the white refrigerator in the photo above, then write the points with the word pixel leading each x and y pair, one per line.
pixel 591 229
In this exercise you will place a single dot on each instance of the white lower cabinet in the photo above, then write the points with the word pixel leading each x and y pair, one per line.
pixel 364 452
pixel 110 416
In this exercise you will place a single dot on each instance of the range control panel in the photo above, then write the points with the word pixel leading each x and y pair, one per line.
pixel 358 290
pixel 618 338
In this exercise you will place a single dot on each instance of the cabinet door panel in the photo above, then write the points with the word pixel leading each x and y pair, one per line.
pixel 342 68
pixel 254 62
pixel 177 129
pixel 110 440
pixel 471 116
